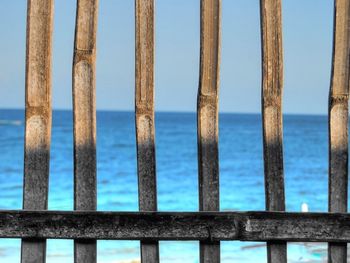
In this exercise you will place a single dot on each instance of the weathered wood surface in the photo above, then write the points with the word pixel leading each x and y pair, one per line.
pixel 38 117
pixel 338 121
pixel 207 118
pixel 272 85
pixel 85 119
pixel 144 119
pixel 203 226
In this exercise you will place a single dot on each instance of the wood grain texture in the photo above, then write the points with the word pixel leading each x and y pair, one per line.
pixel 272 85
pixel 338 121
pixel 207 118
pixel 144 119
pixel 38 118
pixel 85 120
pixel 151 226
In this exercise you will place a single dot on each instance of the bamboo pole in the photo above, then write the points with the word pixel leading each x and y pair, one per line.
pixel 85 120
pixel 338 122
pixel 207 119
pixel 144 117
pixel 272 86
pixel 38 118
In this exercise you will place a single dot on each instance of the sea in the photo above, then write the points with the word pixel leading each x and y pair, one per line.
pixel 241 177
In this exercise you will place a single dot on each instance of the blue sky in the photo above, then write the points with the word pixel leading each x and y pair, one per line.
pixel 307 28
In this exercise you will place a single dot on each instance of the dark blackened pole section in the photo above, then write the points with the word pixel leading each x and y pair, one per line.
pixel 85 120
pixel 144 109
pixel 38 118
pixel 272 86
pixel 207 119
pixel 338 122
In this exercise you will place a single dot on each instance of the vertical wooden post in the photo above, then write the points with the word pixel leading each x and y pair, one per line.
pixel 144 119
pixel 338 122
pixel 85 120
pixel 207 119
pixel 38 118
pixel 272 86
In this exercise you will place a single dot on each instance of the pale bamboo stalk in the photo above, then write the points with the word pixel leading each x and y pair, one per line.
pixel 144 117
pixel 207 119
pixel 338 122
pixel 272 86
pixel 85 120
pixel 38 118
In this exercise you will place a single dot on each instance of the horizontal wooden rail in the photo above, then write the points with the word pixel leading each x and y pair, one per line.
pixel 202 226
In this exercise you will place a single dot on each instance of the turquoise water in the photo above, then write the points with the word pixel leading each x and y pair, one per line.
pixel 241 177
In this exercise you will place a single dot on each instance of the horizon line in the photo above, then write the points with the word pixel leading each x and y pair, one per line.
pixel 177 111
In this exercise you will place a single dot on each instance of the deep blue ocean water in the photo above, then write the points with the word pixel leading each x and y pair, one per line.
pixel 241 176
